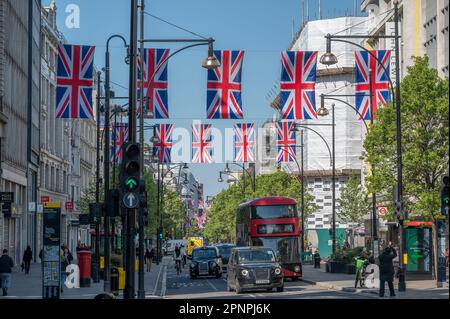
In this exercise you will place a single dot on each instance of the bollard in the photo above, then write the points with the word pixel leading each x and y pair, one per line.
pixel 114 281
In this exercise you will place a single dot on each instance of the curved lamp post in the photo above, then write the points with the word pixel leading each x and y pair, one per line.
pixel 329 59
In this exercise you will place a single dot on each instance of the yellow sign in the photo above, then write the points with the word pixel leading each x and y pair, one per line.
pixel 405 259
pixel 121 278
pixel 102 262
pixel 52 205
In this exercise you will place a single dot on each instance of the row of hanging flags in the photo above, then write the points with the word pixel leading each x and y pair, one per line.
pixel 224 100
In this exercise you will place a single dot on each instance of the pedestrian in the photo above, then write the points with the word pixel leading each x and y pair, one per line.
pixel 6 265
pixel 26 260
pixel 149 258
pixel 183 255
pixel 66 260
pixel 177 257
pixel 317 259
pixel 387 269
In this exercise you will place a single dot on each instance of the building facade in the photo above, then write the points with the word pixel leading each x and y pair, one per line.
pixel 423 27
pixel 19 121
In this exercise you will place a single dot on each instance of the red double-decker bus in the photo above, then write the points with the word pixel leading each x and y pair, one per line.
pixel 272 222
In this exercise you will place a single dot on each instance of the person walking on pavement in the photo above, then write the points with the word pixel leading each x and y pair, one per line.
pixel 183 255
pixel 6 265
pixel 27 257
pixel 387 269
pixel 66 260
pixel 149 258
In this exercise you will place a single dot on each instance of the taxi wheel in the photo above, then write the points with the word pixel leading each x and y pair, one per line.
pixel 280 289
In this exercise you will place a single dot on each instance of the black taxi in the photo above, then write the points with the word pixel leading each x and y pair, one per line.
pixel 206 261
pixel 254 268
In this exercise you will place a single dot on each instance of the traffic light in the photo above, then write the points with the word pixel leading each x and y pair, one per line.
pixel 95 211
pixel 160 231
pixel 445 190
pixel 130 167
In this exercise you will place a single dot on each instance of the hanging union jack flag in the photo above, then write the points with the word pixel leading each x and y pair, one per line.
pixel 74 81
pixel 244 143
pixel 380 81
pixel 119 136
pixel 286 142
pixel 201 143
pixel 224 86
pixel 298 85
pixel 157 90
pixel 164 146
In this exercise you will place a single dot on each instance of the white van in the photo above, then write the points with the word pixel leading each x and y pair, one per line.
pixel 171 244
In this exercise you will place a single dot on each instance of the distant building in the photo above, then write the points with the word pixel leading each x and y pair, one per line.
pixel 19 121
pixel 423 27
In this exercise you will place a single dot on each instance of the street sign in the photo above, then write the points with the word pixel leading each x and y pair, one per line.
pixel 382 211
pixel 130 200
pixel 32 206
pixel 6 209
pixel 6 197
pixel 69 205
pixel 45 199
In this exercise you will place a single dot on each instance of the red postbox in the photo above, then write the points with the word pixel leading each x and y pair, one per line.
pixel 84 263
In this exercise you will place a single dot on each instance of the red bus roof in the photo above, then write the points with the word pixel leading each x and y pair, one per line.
pixel 269 201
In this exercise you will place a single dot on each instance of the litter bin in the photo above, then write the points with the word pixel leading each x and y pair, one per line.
pixel 84 263
pixel 114 281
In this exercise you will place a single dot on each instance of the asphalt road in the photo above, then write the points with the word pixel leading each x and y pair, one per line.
pixel 182 287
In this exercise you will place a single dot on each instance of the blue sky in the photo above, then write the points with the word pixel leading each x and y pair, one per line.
pixel 263 28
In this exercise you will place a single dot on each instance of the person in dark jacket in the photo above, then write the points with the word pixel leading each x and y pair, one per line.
pixel 387 270
pixel 27 257
pixel 6 265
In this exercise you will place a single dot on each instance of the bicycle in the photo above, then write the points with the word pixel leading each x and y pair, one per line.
pixel 361 265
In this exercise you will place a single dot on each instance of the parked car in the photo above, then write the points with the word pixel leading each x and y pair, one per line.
pixel 206 261
pixel 254 268
pixel 225 252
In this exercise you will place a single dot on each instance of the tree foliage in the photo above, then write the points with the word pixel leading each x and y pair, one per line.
pixel 221 220
pixel 425 141
pixel 353 202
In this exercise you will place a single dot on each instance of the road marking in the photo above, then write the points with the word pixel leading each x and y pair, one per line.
pixel 157 280
pixel 251 295
pixel 210 283
pixel 164 282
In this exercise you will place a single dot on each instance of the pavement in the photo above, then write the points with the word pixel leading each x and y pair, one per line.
pixel 30 286
pixel 415 289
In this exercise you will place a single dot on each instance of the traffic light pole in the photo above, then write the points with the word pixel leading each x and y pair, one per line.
pixel 96 263
pixel 141 289
pixel 130 215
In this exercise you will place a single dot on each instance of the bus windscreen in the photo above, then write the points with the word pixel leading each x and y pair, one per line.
pixel 275 211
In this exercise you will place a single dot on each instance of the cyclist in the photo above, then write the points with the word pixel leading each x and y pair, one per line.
pixel 361 264
pixel 178 258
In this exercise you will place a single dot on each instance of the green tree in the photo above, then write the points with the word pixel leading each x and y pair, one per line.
pixel 353 202
pixel 173 211
pixel 425 139
pixel 221 220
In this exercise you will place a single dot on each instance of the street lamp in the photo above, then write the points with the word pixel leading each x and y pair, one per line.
pixel 329 59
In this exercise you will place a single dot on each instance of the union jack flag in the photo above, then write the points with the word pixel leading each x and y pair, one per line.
pixel 244 143
pixel 224 86
pixel 158 96
pixel 119 136
pixel 380 81
pixel 201 143
pixel 200 215
pixel 286 142
pixel 298 85
pixel 164 146
pixel 74 81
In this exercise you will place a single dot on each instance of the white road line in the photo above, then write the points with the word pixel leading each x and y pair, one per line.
pixel 251 295
pixel 212 286
pixel 164 282
pixel 157 280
